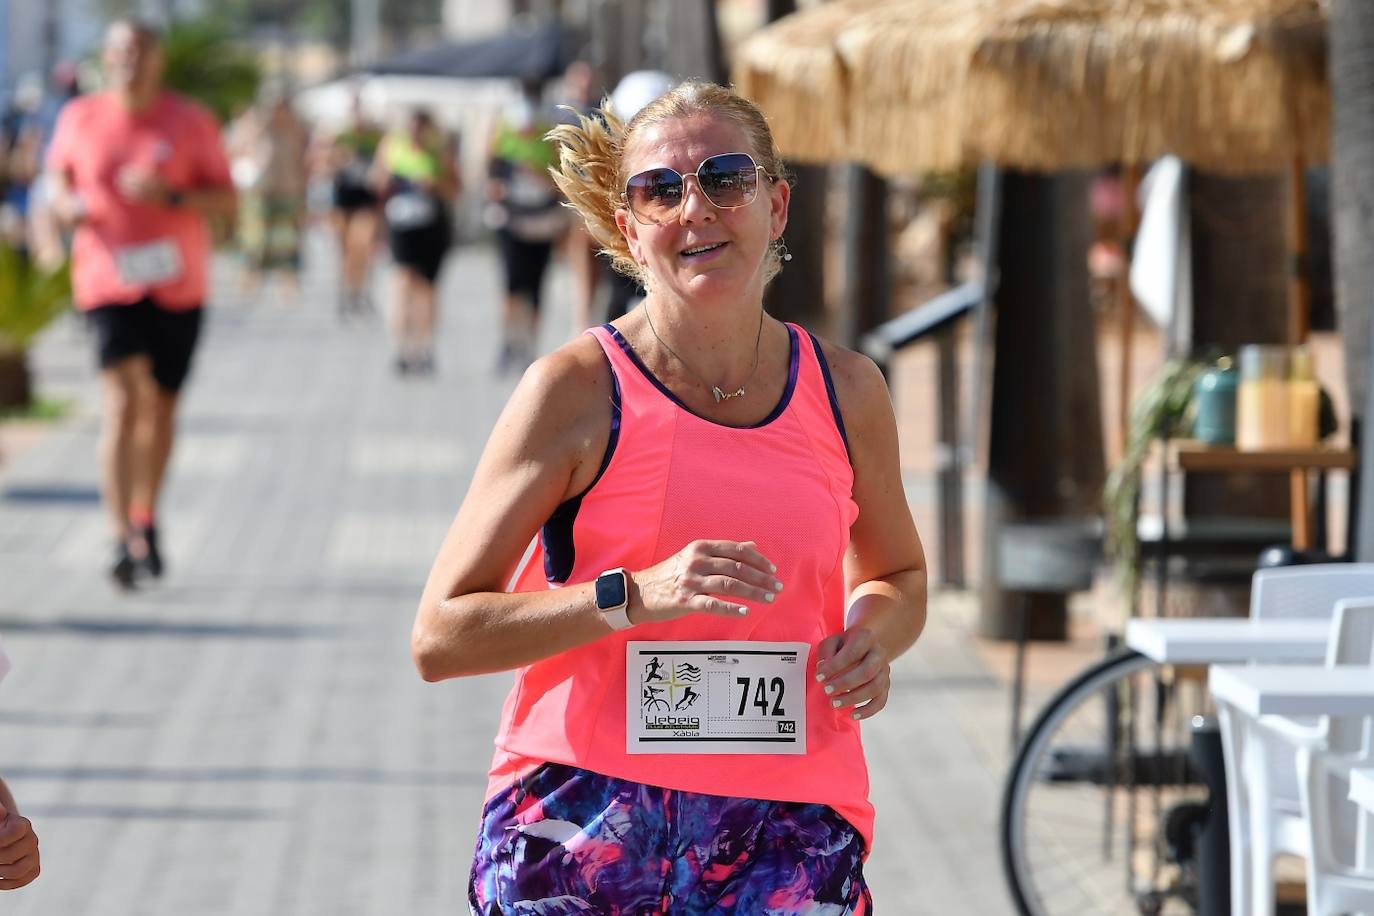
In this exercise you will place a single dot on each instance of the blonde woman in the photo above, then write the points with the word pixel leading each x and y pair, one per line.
pixel 723 569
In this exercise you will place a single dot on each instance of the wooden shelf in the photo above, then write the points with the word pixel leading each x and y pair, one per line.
pixel 1191 455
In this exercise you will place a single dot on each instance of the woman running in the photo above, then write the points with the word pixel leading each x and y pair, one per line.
pixel 723 566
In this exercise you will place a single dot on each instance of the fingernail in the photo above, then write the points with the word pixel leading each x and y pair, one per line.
pixel 819 676
pixel 835 704
pixel 855 716
pixel 777 585
pixel 743 610
pixel 772 568
pixel 829 689
pixel 768 596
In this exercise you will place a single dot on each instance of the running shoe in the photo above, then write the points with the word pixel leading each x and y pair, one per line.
pixel 151 560
pixel 124 566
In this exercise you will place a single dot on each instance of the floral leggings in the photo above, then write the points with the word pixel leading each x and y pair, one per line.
pixel 568 841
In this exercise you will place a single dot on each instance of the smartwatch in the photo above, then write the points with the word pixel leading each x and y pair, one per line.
pixel 613 598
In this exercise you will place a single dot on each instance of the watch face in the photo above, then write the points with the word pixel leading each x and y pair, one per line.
pixel 610 590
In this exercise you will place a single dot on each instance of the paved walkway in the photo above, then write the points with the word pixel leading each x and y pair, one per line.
pixel 249 736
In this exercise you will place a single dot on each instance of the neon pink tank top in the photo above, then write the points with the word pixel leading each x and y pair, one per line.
pixel 670 477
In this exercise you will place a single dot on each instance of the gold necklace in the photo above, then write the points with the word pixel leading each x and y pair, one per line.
pixel 716 391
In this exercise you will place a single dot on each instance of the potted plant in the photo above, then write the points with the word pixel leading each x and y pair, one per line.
pixel 1164 409
pixel 30 297
pixel 1159 411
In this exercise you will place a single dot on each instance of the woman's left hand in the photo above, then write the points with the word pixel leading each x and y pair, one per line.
pixel 855 671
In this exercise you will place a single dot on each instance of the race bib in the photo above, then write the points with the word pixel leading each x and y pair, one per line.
pixel 410 210
pixel 715 697
pixel 149 264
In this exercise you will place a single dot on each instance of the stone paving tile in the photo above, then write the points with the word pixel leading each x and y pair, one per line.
pixel 249 737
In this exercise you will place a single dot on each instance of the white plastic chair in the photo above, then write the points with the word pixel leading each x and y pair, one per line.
pixel 1273 824
pixel 1335 746
pixel 1322 829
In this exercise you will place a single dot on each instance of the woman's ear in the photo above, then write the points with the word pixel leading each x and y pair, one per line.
pixel 779 196
pixel 630 230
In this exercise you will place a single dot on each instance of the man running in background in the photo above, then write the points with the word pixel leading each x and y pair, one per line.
pixel 136 169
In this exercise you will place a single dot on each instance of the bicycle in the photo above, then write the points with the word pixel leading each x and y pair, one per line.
pixel 1102 806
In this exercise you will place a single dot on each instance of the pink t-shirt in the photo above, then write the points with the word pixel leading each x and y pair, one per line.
pixel 124 250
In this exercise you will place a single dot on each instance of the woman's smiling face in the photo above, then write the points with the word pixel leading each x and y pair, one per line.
pixel 704 252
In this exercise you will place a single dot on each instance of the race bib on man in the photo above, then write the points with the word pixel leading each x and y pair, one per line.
pixel 715 697
pixel 149 264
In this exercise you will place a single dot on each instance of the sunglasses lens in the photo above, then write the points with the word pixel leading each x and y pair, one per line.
pixel 729 180
pixel 654 195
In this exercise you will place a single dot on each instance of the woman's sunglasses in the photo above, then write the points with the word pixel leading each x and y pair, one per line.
pixel 728 180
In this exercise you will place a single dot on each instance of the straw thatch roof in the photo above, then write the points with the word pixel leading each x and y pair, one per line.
pixel 906 85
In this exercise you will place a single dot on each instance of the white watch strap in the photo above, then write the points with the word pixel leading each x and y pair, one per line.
pixel 618 618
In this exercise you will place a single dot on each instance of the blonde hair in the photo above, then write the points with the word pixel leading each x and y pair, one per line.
pixel 590 170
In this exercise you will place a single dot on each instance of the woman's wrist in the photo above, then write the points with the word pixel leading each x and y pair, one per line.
pixel 634 604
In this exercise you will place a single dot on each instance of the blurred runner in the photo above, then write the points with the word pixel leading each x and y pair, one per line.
pixel 267 149
pixel 417 169
pixel 355 207
pixel 578 247
pixel 525 209
pixel 21 137
pixel 137 169
pixel 46 243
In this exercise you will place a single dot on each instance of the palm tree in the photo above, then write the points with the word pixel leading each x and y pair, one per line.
pixel 205 62
pixel 1351 57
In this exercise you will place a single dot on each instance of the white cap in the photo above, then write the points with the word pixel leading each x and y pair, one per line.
pixel 637 89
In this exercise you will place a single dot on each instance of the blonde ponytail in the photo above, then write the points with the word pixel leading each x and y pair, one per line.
pixel 588 174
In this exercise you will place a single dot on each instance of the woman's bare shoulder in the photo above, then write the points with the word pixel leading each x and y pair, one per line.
pixel 859 385
pixel 563 392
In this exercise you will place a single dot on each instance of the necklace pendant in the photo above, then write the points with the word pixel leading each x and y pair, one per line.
pixel 726 395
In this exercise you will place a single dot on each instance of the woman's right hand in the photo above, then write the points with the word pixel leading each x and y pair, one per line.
pixel 705 577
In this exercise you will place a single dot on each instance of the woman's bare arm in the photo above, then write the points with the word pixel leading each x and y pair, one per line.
pixel 885 565
pixel 547 447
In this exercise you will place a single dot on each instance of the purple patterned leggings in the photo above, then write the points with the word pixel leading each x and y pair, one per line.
pixel 564 841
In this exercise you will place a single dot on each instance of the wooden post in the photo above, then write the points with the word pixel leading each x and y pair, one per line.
pixel 1125 301
pixel 798 293
pixel 866 287
pixel 1300 290
pixel 1045 448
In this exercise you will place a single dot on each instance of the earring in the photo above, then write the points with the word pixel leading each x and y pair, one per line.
pixel 780 247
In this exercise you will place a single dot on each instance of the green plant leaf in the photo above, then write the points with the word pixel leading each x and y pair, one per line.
pixel 30 297
pixel 1161 411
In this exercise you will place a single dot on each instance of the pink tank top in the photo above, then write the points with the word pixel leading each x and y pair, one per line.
pixel 670 477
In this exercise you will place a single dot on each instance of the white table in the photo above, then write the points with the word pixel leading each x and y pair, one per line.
pixel 1295 690
pixel 1207 640
pixel 1362 788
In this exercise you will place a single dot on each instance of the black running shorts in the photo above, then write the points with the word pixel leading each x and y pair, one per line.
pixel 525 263
pixel 143 328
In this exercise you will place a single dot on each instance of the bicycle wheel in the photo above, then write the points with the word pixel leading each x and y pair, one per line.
pixel 1098 808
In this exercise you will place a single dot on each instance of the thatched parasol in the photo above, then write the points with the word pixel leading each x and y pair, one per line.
pixel 794 72
pixel 909 85
pixel 1231 86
